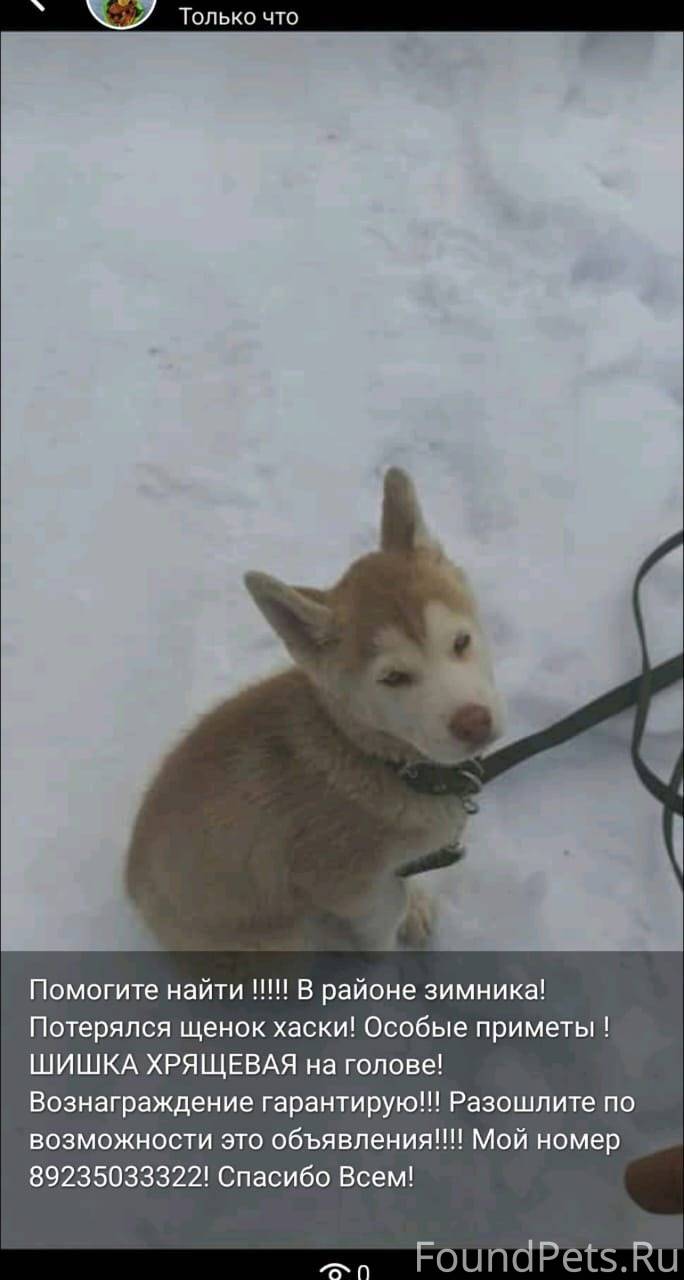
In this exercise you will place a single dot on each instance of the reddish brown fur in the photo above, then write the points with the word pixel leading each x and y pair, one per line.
pixel 272 813
pixel 390 589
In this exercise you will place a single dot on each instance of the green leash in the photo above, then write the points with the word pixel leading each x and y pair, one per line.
pixel 467 780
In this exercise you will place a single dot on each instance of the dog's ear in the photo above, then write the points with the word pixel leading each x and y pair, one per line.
pixel 403 526
pixel 300 615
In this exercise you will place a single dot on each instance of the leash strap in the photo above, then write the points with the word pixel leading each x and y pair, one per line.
pixel 587 717
pixel 637 692
pixel 666 793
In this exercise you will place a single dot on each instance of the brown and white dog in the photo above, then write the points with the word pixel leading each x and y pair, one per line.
pixel 276 825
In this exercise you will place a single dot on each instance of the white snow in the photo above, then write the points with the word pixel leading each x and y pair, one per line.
pixel 242 276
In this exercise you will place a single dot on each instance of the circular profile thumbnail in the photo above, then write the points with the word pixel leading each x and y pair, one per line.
pixel 121 15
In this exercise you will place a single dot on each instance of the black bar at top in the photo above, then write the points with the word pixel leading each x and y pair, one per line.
pixel 314 15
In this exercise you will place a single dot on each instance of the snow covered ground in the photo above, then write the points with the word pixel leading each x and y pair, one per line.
pixel 242 276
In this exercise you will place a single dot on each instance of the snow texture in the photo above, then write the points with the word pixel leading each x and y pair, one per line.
pixel 243 276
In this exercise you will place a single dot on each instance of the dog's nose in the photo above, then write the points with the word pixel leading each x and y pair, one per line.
pixel 472 724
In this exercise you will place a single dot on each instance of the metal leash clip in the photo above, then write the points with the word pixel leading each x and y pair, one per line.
pixel 473 774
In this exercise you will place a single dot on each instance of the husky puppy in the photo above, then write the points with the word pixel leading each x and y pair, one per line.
pixel 277 824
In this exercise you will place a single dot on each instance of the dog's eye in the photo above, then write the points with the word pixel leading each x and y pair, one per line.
pixel 396 678
pixel 462 642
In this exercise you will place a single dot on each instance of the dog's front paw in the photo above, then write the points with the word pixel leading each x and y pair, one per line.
pixel 419 919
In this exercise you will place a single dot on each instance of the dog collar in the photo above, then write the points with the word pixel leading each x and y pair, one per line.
pixel 462 780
